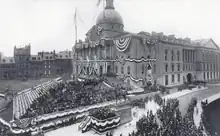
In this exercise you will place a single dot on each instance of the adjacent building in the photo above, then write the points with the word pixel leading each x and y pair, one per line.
pixel 44 64
pixel 138 58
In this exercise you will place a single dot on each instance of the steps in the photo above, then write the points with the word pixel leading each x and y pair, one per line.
pixel 84 124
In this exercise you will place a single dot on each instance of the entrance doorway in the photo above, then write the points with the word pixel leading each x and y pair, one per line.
pixel 189 78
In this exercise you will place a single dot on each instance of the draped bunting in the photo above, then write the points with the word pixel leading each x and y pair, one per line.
pixel 140 60
pixel 106 38
pixel 80 113
pixel 122 43
pixel 124 76
pixel 147 41
pixel 99 125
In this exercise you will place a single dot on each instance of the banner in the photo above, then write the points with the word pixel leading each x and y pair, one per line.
pixel 122 43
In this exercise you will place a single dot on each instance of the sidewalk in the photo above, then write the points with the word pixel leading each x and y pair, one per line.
pixel 182 93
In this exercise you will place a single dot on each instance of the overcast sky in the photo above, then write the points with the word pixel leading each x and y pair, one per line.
pixel 49 25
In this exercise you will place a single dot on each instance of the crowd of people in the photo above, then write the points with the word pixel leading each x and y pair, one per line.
pixel 103 113
pixel 73 95
pixel 168 121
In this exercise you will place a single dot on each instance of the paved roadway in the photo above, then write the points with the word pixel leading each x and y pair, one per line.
pixel 200 95
pixel 7 114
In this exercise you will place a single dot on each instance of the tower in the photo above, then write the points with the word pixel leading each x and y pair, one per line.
pixel 109 4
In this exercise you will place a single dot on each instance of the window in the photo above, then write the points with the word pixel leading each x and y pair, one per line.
pixel 142 69
pixel 173 79
pixel 178 77
pixel 128 70
pixel 50 57
pixel 166 54
pixel 178 66
pixel 178 55
pixel 166 67
pixel 166 80
pixel 116 69
pixel 203 66
pixel 154 69
pixel 46 57
pixel 172 67
pixel 183 67
pixel 211 74
pixel 207 75
pixel 172 56
pixel 204 75
pixel 122 70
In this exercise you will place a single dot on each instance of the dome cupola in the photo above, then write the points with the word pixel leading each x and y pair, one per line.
pixel 109 15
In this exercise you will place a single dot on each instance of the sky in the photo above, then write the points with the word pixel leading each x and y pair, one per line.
pixel 49 24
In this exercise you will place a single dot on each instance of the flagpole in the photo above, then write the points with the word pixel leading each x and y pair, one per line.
pixel 103 9
pixel 75 22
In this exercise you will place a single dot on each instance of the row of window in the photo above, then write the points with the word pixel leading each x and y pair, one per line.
pixel 172 79
pixel 209 56
pixel 174 57
pixel 209 75
pixel 188 55
pixel 210 66
pixel 172 67
pixel 188 67
pixel 128 69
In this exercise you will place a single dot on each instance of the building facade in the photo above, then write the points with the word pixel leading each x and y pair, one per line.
pixel 143 57
pixel 44 64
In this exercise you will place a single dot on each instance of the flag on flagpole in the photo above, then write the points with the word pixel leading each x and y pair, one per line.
pixel 98 3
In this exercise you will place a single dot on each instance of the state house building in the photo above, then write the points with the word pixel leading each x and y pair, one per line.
pixel 138 58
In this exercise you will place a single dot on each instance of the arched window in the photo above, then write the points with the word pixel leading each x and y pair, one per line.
pixel 178 55
pixel 116 69
pixel 122 69
pixel 172 55
pixel 128 70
